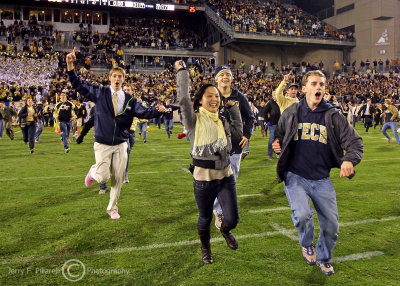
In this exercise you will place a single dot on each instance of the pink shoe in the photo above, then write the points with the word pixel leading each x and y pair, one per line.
pixel 88 180
pixel 181 135
pixel 114 215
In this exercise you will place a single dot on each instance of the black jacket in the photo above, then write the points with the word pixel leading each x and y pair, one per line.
pixel 272 109
pixel 23 113
pixel 364 108
pixel 246 113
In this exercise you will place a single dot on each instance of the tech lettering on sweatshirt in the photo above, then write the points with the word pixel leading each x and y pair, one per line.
pixel 311 131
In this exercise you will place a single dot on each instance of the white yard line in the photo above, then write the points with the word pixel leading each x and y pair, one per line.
pixel 250 195
pixel 173 155
pixel 191 242
pixel 148 172
pixel 269 210
pixel 82 175
pixel 379 159
pixel 186 170
pixel 357 256
pixel 286 232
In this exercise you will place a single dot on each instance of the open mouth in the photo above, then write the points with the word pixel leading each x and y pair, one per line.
pixel 318 94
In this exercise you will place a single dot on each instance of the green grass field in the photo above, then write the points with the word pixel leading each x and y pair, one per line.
pixel 49 217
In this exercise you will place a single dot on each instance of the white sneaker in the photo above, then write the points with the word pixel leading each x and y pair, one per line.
pixel 218 219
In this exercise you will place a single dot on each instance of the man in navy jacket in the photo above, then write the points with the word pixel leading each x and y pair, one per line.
pixel 115 110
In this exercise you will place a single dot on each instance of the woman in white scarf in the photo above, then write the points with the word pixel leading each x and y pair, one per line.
pixel 210 135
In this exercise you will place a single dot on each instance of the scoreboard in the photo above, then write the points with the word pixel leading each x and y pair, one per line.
pixel 115 3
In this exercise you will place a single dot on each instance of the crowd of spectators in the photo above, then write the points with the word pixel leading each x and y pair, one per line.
pixel 137 33
pixel 50 80
pixel 256 16
pixel 31 37
pixel 23 75
pixel 44 78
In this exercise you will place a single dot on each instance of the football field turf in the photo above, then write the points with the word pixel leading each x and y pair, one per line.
pixel 54 230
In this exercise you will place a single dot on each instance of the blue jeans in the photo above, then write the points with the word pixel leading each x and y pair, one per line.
pixel 206 192
pixel 261 124
pixel 130 146
pixel 271 139
pixel 234 160
pixel 1 128
pixel 65 128
pixel 39 129
pixel 169 124
pixel 299 191
pixel 392 125
pixel 28 134
pixel 143 129
pixel 355 119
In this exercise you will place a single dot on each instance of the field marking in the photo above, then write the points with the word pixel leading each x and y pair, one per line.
pixel 357 256
pixel 250 195
pixel 379 159
pixel 82 175
pixel 269 210
pixel 173 155
pixel 351 223
pixel 284 231
pixel 182 243
pixel 154 172
pixel 186 170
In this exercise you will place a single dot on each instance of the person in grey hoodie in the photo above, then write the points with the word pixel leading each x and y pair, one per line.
pixel 211 136
pixel 311 138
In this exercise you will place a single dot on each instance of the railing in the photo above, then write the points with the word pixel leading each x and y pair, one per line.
pixel 294 36
pixel 220 22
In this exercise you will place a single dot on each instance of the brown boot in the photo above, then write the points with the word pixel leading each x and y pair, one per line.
pixel 205 245
pixel 229 238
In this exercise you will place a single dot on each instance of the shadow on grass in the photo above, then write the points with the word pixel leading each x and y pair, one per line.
pixel 315 278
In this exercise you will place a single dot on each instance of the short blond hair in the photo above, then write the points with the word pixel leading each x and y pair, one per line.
pixel 310 73
pixel 117 69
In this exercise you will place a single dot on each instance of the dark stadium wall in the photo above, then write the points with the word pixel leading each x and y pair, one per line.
pixel 280 55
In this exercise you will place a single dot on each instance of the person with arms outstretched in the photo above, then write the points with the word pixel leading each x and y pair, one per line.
pixel 115 110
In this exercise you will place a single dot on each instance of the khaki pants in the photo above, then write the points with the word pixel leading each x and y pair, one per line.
pixel 110 158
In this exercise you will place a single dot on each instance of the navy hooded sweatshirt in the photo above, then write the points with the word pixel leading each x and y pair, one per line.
pixel 311 156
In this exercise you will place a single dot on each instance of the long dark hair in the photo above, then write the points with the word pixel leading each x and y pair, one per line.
pixel 198 96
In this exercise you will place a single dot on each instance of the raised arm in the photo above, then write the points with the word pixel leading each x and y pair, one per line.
pixel 185 103
pixel 85 89
pixel 70 59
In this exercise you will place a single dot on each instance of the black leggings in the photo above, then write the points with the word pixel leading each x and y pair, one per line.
pixel 205 193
